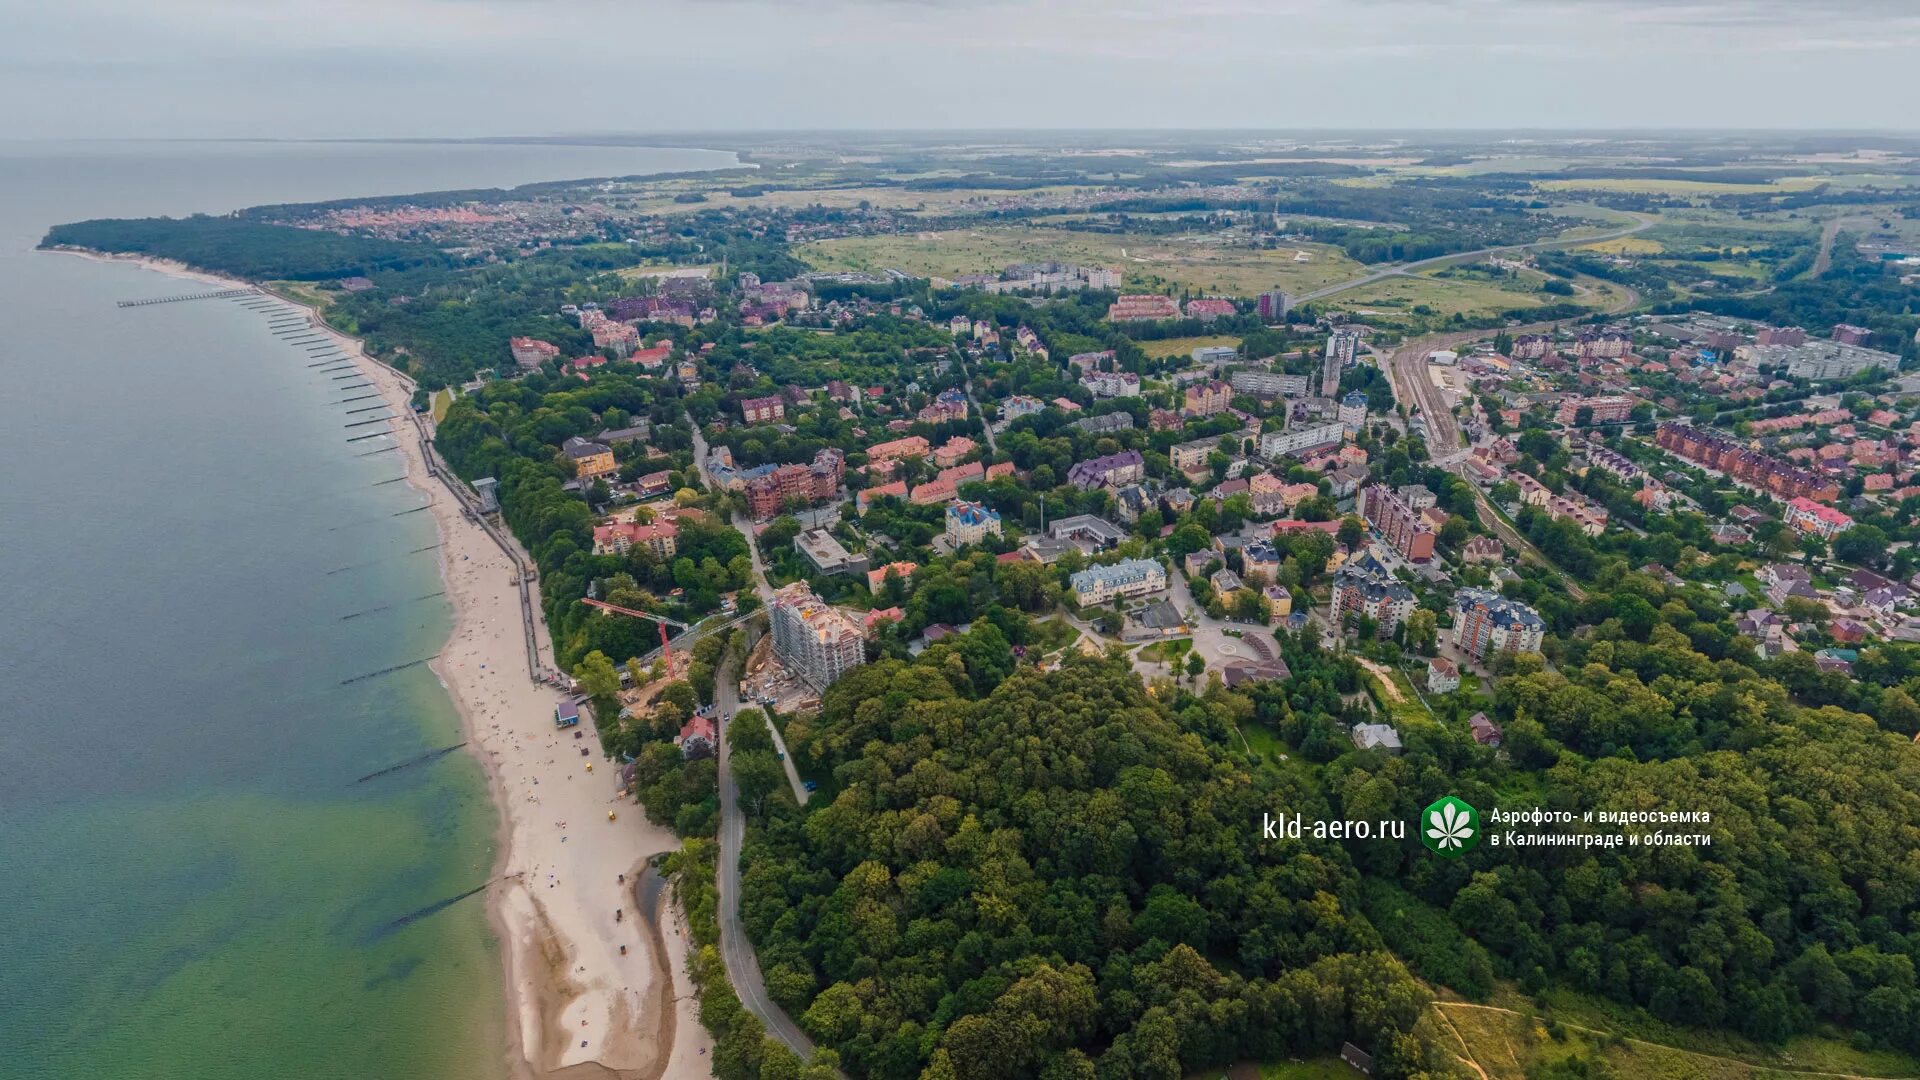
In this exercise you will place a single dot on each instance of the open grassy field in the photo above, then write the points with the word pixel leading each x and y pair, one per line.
pixel 1165 651
pixel 1662 186
pixel 1625 245
pixel 632 273
pixel 1396 300
pixel 1330 1068
pixel 1510 1038
pixel 1184 346
pixel 1149 262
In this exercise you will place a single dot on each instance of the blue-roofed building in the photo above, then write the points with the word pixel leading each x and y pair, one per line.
pixel 970 523
pixel 1353 411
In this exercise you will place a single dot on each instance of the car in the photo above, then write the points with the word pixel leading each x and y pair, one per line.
pixel 811 786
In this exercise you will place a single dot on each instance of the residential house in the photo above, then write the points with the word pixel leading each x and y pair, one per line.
pixel 1114 470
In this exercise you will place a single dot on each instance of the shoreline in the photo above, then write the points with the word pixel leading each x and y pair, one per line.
pixel 575 1006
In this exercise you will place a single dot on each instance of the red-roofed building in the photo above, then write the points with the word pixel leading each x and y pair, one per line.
pixel 530 353
pixel 660 538
pixel 1147 308
pixel 1809 516
pixel 933 493
pixel 1209 308
pixel 911 446
pixel 897 489
pixel 697 738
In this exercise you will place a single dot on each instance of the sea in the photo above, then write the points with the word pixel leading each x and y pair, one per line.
pixel 196 567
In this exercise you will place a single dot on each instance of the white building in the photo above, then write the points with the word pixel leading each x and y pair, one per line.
pixel 1353 412
pixel 1300 437
pixel 1110 384
pixel 1268 383
pixel 1819 359
pixel 1129 577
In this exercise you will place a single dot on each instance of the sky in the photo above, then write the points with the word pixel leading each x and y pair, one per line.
pixel 427 68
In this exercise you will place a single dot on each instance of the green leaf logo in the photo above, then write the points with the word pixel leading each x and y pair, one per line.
pixel 1450 827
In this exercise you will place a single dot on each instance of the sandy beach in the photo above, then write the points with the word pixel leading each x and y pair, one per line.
pixel 571 851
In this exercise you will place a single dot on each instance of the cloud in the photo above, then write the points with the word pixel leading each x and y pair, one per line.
pixel 423 67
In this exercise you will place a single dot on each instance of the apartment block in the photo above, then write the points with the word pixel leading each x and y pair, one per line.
pixel 815 641
pixel 1485 623
pixel 1400 525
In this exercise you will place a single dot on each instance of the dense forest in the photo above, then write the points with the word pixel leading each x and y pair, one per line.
pixel 1053 878
pixel 1062 874
pixel 246 249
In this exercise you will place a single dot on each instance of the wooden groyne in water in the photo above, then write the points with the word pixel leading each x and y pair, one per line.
pixel 220 294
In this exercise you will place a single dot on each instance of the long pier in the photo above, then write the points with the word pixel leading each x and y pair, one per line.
pixel 220 294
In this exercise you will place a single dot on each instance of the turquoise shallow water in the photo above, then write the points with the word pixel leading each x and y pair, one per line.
pixel 192 884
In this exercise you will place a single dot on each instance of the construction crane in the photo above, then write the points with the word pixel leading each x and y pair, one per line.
pixel 666 647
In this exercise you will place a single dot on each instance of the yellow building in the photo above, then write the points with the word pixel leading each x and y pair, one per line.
pixel 591 460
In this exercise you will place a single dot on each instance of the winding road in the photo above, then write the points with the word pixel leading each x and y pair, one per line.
pixel 736 951
pixel 1640 222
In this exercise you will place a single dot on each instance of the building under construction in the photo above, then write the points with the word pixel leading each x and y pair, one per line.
pixel 814 640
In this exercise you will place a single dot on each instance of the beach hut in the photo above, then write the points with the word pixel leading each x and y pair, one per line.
pixel 567 713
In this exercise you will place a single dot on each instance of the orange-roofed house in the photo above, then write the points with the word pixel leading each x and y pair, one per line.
pixel 897 489
pixel 911 446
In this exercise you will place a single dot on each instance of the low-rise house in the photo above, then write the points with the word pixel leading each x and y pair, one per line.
pixel 697 738
pixel 1442 676
pixel 1376 737
pixel 763 410
pixel 1279 604
pixel 1114 470
pixel 618 538
pixel 1483 549
pixel 1485 731
pixel 877 577
pixel 953 450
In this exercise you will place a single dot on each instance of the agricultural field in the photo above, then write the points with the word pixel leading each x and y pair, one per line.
pixel 1661 186
pixel 1202 263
